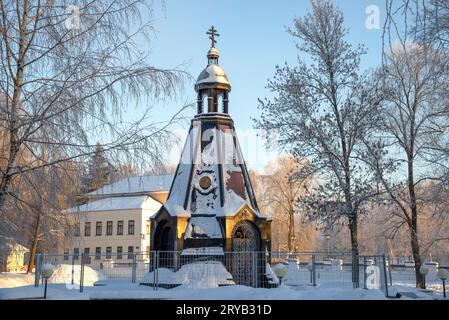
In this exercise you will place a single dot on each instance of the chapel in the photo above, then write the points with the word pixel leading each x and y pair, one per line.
pixel 211 208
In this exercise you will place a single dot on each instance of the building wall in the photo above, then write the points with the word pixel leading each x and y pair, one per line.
pixel 140 240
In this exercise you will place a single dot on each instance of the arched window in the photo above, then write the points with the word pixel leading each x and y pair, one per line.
pixel 220 102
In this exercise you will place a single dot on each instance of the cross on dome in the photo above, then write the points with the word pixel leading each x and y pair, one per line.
pixel 212 32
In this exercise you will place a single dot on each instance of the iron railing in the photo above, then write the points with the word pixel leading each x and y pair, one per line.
pixel 169 269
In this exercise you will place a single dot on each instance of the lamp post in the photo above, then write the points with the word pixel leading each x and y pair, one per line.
pixel 328 237
pixel 280 270
pixel 443 274
pixel 46 272
pixel 424 271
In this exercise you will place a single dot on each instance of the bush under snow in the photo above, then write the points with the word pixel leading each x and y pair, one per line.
pixel 63 274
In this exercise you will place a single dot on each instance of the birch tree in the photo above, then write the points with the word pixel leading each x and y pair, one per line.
pixel 69 71
pixel 414 110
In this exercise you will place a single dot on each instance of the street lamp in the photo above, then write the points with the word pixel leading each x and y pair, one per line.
pixel 443 274
pixel 424 271
pixel 280 270
pixel 46 272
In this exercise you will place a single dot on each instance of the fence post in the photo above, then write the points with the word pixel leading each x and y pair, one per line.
pixel 155 268
pixel 385 275
pixel 133 276
pixel 37 262
pixel 364 272
pixel 313 271
pixel 389 270
pixel 82 273
pixel 73 269
pixel 40 266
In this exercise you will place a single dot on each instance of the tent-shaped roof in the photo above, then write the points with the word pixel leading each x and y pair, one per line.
pixel 211 154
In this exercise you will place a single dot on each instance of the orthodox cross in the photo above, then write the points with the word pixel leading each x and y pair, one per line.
pixel 212 32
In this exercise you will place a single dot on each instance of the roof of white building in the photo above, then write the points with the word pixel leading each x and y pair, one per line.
pixel 136 185
pixel 118 203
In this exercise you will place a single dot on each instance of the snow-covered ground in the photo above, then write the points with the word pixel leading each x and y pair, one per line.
pixel 12 279
pixel 20 286
pixel 124 290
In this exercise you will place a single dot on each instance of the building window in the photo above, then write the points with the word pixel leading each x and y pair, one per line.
pixel 86 255
pixel 119 252
pixel 120 228
pixel 66 254
pixel 109 228
pixel 97 253
pixel 130 252
pixel 98 228
pixel 87 229
pixel 77 230
pixel 108 252
pixel 131 224
pixel 76 252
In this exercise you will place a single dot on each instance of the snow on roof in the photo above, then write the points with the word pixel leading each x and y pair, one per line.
pixel 136 184
pixel 213 74
pixel 118 203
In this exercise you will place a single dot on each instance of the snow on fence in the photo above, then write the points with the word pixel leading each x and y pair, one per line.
pixel 198 269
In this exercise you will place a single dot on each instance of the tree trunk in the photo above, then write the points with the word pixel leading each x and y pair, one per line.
pixel 34 245
pixel 413 223
pixel 291 231
pixel 353 229
pixel 354 249
pixel 14 141
pixel 417 258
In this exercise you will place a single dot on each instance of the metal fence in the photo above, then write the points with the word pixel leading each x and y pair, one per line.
pixel 403 274
pixel 169 269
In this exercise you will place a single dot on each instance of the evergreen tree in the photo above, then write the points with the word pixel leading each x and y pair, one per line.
pixel 99 170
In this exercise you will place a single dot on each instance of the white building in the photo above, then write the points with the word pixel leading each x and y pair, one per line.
pixel 115 220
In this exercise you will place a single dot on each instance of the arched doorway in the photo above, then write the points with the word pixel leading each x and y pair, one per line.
pixel 164 244
pixel 245 247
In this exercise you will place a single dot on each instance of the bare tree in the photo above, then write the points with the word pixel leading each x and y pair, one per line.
pixel 285 189
pixel 277 190
pixel 69 71
pixel 322 111
pixel 414 82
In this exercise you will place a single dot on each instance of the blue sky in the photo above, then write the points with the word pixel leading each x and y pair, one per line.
pixel 252 41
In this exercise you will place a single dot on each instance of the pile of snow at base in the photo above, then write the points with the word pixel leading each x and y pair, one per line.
pixel 163 276
pixel 63 274
pixel 273 279
pixel 196 275
pixel 200 275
